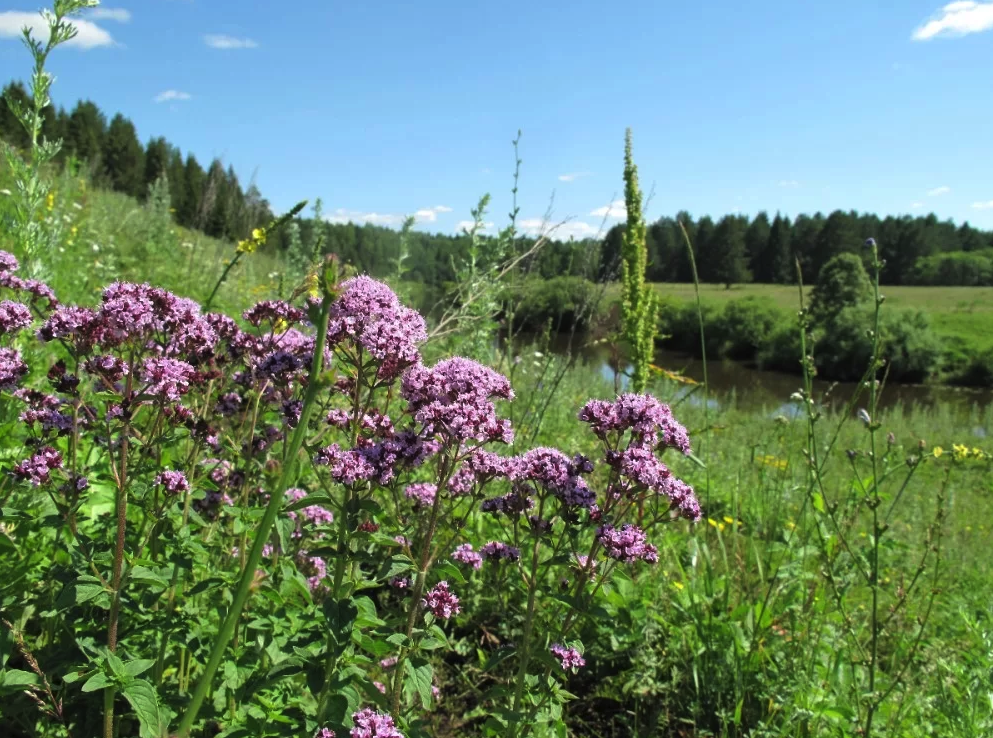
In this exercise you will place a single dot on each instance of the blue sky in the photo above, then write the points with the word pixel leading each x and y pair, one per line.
pixel 387 107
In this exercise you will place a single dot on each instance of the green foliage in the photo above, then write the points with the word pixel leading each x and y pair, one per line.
pixel 971 268
pixel 562 302
pixel 639 306
pixel 841 283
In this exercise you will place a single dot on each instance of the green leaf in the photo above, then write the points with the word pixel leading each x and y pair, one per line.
pixel 148 576
pixel 78 591
pixel 145 703
pixel 95 682
pixel 205 586
pixel 340 616
pixel 309 500
pixel 9 513
pixel 138 666
pixel 116 666
pixel 15 680
pixel 818 502
pixel 396 565
pixel 447 570
pixel 418 680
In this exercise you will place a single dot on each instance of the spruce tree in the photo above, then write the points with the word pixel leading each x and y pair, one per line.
pixel 639 303
pixel 730 262
pixel 124 158
pixel 85 132
pixel 781 269
pixel 757 247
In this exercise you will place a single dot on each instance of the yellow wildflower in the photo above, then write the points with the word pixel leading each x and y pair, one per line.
pixel 677 585
pixel 937 451
pixel 280 326
pixel 50 201
pixel 258 235
pixel 247 246
pixel 960 452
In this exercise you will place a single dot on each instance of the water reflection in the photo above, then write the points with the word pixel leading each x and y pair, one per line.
pixel 752 389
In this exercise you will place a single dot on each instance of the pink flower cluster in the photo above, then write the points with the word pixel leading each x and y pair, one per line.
pixel 552 470
pixel 465 555
pixel 38 468
pixel 452 400
pixel 370 315
pixel 569 658
pixel 371 724
pixel 421 494
pixel 626 543
pixel 173 482
pixel 441 601
pixel 500 551
pixel 13 316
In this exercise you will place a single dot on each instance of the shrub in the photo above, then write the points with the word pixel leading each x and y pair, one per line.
pixel 841 283
pixel 747 325
pixel 566 302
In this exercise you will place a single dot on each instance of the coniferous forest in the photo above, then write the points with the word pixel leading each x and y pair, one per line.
pixel 732 249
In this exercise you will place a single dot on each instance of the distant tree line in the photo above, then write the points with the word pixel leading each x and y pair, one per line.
pixel 732 250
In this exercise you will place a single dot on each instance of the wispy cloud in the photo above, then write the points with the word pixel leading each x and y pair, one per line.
pixel 916 205
pixel 943 190
pixel 572 177
pixel 957 19
pixel 466 225
pixel 988 205
pixel 790 183
pixel 563 231
pixel 88 35
pixel 220 41
pixel 616 209
pixel 115 14
pixel 430 215
pixel 391 220
pixel 170 95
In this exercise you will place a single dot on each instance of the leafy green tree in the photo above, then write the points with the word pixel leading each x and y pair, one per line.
pixel 842 283
pixel 639 302
pixel 124 158
pixel 703 243
pixel 730 261
pixel 195 181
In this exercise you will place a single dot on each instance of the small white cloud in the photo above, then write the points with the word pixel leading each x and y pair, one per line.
pixel 341 215
pixel 431 214
pixel 988 205
pixel 560 231
pixel 790 183
pixel 573 176
pixel 616 209
pixel 916 205
pixel 115 14
pixel 466 225
pixel 170 95
pixel 957 19
pixel 88 35
pixel 220 41
pixel 939 191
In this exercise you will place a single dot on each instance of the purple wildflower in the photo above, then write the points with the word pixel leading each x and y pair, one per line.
pixel 441 601
pixel 371 724
pixel 13 316
pixel 12 368
pixel 465 555
pixel 500 551
pixel 570 658
pixel 649 420
pixel 8 262
pixel 325 733
pixel 453 400
pixel 626 543
pixel 38 468
pixel 422 494
pixel 272 311
pixel 346 467
pixel 388 663
pixel 173 482
pixel 370 314
pixel 167 378
pixel 551 469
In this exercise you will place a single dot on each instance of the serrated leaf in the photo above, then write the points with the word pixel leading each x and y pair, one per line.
pixel 138 666
pixel 418 680
pixel 95 682
pixel 449 571
pixel 396 565
pixel 78 591
pixel 399 640
pixel 144 701
pixel 148 576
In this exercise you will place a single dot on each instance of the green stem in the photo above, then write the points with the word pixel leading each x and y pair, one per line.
pixel 224 276
pixel 522 669
pixel 287 475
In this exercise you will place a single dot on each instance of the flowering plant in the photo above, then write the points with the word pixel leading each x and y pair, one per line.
pixel 339 500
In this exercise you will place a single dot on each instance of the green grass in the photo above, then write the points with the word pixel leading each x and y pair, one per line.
pixel 964 313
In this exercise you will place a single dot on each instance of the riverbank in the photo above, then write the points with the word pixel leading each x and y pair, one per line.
pixel 931 335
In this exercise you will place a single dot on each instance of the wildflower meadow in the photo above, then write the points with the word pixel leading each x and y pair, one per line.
pixel 243 502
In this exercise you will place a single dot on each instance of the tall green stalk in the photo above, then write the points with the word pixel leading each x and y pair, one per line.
pixel 286 478
pixel 639 304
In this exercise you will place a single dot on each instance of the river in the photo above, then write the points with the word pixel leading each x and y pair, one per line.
pixel 753 389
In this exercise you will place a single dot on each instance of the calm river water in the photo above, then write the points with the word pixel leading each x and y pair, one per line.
pixel 753 389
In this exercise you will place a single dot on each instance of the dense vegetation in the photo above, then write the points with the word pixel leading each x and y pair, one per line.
pixel 267 502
